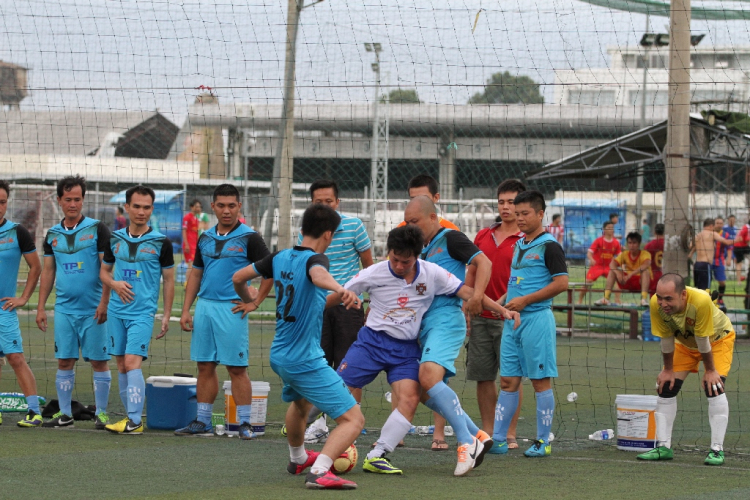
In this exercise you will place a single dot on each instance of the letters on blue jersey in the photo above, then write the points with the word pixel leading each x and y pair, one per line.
pixel 222 256
pixel 10 258
pixel 529 272
pixel 77 264
pixel 137 261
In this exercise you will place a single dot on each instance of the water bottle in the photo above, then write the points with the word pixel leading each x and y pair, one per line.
pixel 220 430
pixel 602 435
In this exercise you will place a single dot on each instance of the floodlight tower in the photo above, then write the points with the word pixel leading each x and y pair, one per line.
pixel 379 170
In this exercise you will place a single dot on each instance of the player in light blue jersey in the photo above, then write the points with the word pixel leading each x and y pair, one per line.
pixel 73 250
pixel 349 251
pixel 15 241
pixel 135 261
pixel 220 335
pixel 443 329
pixel 538 273
pixel 301 277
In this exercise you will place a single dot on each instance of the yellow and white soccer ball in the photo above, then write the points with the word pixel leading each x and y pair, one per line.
pixel 346 461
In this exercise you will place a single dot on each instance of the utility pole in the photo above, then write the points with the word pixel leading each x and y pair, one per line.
pixel 283 164
pixel 639 172
pixel 677 153
pixel 379 161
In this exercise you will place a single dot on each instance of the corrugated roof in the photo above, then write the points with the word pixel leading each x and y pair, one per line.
pixel 62 132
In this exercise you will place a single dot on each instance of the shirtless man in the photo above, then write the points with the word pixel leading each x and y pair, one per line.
pixel 704 249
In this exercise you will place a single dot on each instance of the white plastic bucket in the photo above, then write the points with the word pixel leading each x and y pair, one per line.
pixel 258 409
pixel 636 422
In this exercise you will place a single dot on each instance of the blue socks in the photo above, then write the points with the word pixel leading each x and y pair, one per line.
pixel 33 402
pixel 445 402
pixel 102 383
pixel 470 425
pixel 122 379
pixel 243 414
pixel 136 393
pixel 204 413
pixel 545 409
pixel 64 382
pixel 507 402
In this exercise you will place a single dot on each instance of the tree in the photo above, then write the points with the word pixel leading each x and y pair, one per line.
pixel 505 88
pixel 404 96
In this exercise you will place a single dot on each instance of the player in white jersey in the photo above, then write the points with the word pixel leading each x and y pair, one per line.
pixel 401 290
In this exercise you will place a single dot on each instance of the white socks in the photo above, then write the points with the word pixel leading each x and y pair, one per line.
pixel 718 417
pixel 394 430
pixel 297 454
pixel 322 464
pixel 666 412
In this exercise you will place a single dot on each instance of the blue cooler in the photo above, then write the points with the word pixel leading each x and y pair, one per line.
pixel 171 402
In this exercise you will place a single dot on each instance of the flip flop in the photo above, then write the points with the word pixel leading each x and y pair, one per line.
pixel 512 443
pixel 439 445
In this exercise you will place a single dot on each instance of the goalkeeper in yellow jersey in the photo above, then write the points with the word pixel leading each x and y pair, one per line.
pixel 692 329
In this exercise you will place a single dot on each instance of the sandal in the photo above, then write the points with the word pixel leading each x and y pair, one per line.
pixel 439 445
pixel 512 443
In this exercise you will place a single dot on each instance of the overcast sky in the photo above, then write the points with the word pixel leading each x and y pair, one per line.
pixel 136 54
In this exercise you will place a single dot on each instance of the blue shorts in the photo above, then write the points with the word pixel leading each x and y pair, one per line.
pixel 130 336
pixel 720 272
pixel 219 335
pixel 531 349
pixel 10 333
pixel 74 332
pixel 318 383
pixel 442 336
pixel 374 352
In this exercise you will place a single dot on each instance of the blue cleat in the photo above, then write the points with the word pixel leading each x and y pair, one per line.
pixel 499 448
pixel 245 432
pixel 195 428
pixel 539 449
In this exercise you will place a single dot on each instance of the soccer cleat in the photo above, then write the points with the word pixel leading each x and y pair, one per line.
pixel 195 428
pixel 126 426
pixel 659 453
pixel 59 419
pixel 245 432
pixel 316 434
pixel 499 448
pixel 102 420
pixel 32 419
pixel 328 481
pixel 487 444
pixel 467 457
pixel 380 465
pixel 1 419
pixel 540 448
pixel 714 458
pixel 602 302
pixel 296 469
pixel 283 430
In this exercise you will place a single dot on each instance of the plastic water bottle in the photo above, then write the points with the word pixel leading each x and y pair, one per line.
pixel 602 435
pixel 220 430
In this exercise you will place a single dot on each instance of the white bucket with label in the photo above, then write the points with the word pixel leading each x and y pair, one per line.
pixel 258 409
pixel 636 422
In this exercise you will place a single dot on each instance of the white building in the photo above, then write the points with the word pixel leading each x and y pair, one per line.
pixel 719 75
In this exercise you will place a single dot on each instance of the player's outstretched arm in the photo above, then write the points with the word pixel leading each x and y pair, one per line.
pixel 487 303
pixel 559 284
pixel 323 279
pixel 45 288
pixel 168 291
pixel 191 292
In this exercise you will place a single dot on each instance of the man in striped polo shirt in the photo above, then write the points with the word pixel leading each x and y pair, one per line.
pixel 350 246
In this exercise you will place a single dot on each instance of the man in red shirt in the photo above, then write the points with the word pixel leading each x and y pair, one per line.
pixel 742 250
pixel 656 248
pixel 190 226
pixel 599 255
pixel 483 351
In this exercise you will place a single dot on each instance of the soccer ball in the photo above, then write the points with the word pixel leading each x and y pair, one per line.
pixel 346 461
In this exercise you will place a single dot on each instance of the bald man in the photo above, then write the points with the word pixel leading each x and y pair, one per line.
pixel 443 328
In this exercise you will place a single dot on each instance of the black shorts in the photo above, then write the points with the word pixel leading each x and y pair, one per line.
pixel 702 275
pixel 740 253
pixel 340 328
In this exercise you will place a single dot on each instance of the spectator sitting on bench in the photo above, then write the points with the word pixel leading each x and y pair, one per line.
pixel 631 271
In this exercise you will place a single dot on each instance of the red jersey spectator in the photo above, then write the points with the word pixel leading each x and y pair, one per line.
pixel 656 248
pixel 120 220
pixel 556 229
pixel 190 226
pixel 599 255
